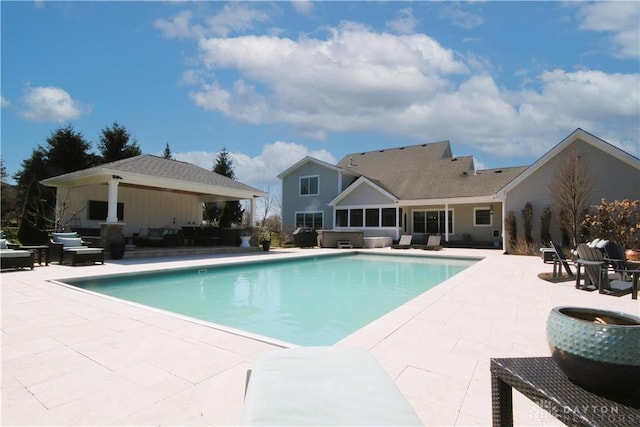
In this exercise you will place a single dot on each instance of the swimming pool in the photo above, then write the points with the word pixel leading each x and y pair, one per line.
pixel 307 301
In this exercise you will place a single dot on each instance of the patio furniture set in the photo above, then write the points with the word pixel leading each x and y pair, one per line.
pixel 600 265
pixel 64 248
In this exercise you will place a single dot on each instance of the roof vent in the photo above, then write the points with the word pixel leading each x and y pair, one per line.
pixel 401 148
pixel 381 151
pixel 453 159
pixel 464 173
pixel 498 171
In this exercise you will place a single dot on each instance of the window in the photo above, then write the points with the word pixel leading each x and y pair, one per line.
pixel 100 210
pixel 309 185
pixel 311 220
pixel 355 217
pixel 482 217
pixel 342 218
pixel 388 217
pixel 372 217
pixel 432 222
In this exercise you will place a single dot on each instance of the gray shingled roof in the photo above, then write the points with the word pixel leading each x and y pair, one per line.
pixel 427 171
pixel 160 167
pixel 147 171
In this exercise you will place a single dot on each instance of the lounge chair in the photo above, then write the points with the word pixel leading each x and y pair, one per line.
pixel 330 386
pixel 404 243
pixel 597 272
pixel 14 258
pixel 559 261
pixel 68 248
pixel 433 243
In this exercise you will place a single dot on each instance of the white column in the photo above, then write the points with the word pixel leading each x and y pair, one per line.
pixel 252 212
pixel 112 214
pixel 398 223
pixel 446 222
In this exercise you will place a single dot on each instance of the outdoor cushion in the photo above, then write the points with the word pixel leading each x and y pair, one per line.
pixel 327 386
pixel 13 253
pixel 156 233
pixel 70 242
pixel 84 250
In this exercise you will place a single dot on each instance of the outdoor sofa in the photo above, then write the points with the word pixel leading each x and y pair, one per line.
pixel 159 236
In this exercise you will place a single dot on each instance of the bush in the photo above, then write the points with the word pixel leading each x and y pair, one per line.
pixel 618 221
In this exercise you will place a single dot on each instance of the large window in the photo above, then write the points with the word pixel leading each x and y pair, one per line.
pixel 431 222
pixel 311 220
pixel 100 210
pixel 482 217
pixel 370 217
pixel 309 185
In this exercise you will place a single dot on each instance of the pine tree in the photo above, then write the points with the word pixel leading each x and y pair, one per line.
pixel 167 153
pixel 230 212
pixel 114 144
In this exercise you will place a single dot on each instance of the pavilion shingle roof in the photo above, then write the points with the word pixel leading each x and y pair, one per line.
pixel 427 171
pixel 159 167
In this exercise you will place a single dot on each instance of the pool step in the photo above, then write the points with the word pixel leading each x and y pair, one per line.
pixel 344 244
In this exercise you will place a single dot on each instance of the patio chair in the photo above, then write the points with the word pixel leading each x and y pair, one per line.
pixel 68 248
pixel 433 243
pixel 14 258
pixel 404 243
pixel 328 386
pixel 597 272
pixel 559 261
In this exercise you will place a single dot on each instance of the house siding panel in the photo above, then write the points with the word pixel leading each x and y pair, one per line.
pixel 142 208
pixel 293 202
pixel 612 179
pixel 365 195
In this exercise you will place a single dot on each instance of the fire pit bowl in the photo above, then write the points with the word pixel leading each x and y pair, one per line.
pixel 598 350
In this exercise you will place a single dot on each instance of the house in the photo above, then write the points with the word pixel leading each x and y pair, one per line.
pixel 424 189
pixel 140 192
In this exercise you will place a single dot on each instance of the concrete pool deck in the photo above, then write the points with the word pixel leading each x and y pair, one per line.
pixel 74 358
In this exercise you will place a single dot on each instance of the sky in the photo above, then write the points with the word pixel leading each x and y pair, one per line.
pixel 273 82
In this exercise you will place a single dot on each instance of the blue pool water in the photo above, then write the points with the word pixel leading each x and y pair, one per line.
pixel 310 301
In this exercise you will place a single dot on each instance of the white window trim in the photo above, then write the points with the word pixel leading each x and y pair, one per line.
pixel 487 208
pixel 295 215
pixel 364 217
pixel 300 185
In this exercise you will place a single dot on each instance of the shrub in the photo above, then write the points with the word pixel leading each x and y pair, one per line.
pixel 618 221
pixel 527 221
pixel 545 226
pixel 511 227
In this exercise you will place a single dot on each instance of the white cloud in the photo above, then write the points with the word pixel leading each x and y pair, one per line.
pixel 234 17
pixel 405 22
pixel 51 104
pixel 460 15
pixel 4 102
pixel 618 18
pixel 407 86
pixel 259 171
pixel 304 7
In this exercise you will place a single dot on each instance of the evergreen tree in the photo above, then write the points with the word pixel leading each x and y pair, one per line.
pixel 231 212
pixel 114 144
pixel 167 153
pixel 66 151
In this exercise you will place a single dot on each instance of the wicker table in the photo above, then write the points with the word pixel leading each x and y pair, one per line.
pixel 39 252
pixel 540 379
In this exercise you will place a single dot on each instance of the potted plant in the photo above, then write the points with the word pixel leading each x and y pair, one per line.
pixel 265 239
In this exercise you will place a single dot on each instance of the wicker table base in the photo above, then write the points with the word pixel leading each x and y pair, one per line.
pixel 540 379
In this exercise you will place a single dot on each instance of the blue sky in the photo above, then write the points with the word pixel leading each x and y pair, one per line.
pixel 276 81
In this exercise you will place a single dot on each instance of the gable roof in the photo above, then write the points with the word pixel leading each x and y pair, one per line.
pixel 147 171
pixel 304 161
pixel 359 183
pixel 581 135
pixel 427 171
